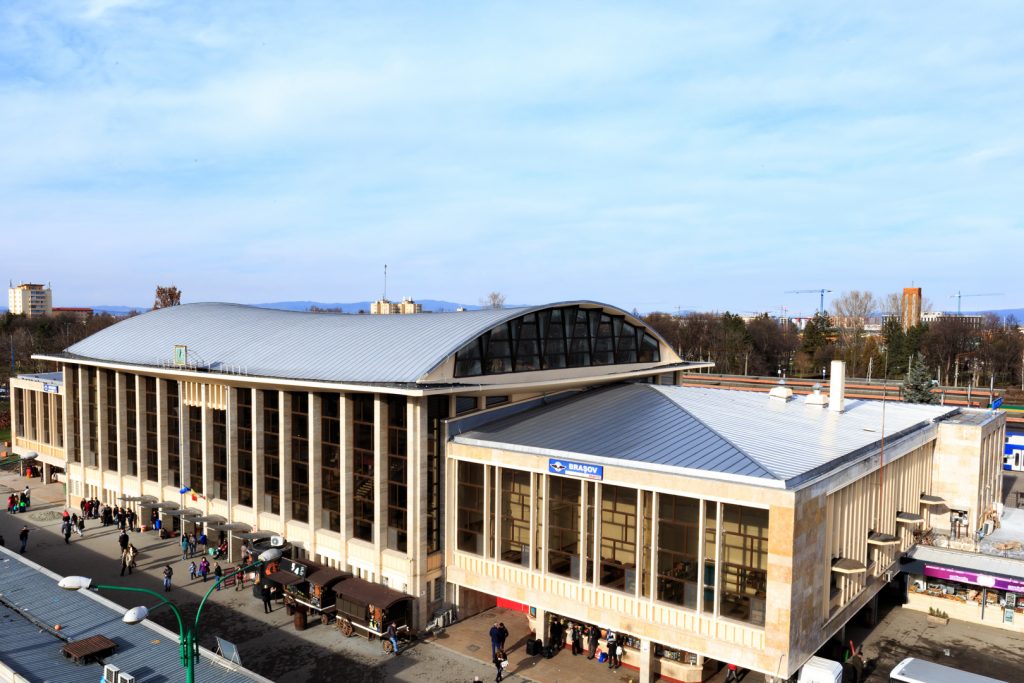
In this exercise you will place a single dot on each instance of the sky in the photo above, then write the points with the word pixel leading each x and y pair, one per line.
pixel 656 156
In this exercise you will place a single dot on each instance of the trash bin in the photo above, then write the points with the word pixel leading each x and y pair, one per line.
pixel 299 618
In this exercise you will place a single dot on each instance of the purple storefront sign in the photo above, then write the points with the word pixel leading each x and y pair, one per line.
pixel 975 579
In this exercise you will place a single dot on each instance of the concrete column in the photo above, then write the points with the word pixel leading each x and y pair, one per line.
pixel 231 442
pixel 582 543
pixel 596 579
pixel 488 549
pixel 316 501
pixel 655 542
pixel 416 484
pixel 140 433
pixel 542 505
pixel 533 521
pixel 646 661
pixel 258 471
pixel 285 422
pixel 638 551
pixel 496 509
pixel 380 476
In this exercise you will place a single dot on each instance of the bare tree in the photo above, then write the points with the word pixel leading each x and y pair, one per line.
pixel 167 296
pixel 493 300
pixel 852 312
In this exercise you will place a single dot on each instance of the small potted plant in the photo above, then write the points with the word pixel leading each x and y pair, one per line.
pixel 937 616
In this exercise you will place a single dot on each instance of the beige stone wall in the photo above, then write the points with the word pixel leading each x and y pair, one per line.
pixel 967 467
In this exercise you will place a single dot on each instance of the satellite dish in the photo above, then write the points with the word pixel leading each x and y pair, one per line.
pixel 277 541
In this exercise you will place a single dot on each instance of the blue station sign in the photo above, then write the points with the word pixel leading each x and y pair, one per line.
pixel 51 388
pixel 568 468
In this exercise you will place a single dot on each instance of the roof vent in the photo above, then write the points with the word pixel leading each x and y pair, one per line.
pixel 817 398
pixel 781 392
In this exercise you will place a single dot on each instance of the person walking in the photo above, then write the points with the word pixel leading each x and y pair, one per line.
pixel 74 524
pixel 265 594
pixel 125 561
pixel 593 636
pixel 202 540
pixel 122 541
pixel 204 569
pixel 393 637
pixel 495 635
pixel 192 572
pixel 133 555
pixel 218 574
pixel 576 636
pixel 732 675
pixel 26 497
pixel 23 537
pixel 500 663
pixel 184 547
pixel 191 544
pixel 502 635
pixel 168 573
pixel 80 527
pixel 65 529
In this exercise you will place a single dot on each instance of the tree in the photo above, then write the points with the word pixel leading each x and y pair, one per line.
pixel 167 296
pixel 493 300
pixel 852 312
pixel 917 385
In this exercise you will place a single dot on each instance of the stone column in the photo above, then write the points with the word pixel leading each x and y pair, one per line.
pixel 655 542
pixel 489 551
pixel 646 657
pixel 532 564
pixel 596 549
pixel 231 444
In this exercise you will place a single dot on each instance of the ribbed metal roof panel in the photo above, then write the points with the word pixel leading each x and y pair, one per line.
pixel 733 433
pixel 630 422
pixel 296 345
pixel 35 652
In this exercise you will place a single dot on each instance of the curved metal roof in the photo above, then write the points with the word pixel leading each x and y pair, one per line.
pixel 299 345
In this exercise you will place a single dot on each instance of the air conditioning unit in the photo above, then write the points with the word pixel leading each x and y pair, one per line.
pixel 277 541
pixel 122 677
pixel 888 576
pixel 110 673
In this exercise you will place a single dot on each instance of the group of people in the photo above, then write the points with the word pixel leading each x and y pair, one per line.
pixel 70 521
pixel 18 502
pixel 203 570
pixel 499 634
pixel 190 545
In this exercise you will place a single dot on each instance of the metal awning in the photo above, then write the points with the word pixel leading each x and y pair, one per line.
pixel 183 512
pixel 213 519
pixel 256 535
pixel 876 538
pixel 847 566
pixel 932 500
pixel 908 518
pixel 161 506
pixel 130 499
pixel 285 578
pixel 231 526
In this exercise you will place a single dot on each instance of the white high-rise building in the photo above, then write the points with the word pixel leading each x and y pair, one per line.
pixel 30 300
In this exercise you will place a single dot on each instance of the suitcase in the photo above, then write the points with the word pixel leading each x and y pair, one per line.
pixel 531 648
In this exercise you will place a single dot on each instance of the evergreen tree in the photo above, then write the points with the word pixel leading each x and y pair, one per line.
pixel 917 386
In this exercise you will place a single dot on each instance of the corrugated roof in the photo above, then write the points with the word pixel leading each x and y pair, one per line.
pixel 296 345
pixel 737 434
pixel 33 604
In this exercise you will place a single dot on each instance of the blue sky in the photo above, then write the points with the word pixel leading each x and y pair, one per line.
pixel 650 155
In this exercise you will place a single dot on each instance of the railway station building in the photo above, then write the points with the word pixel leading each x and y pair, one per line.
pixel 539 457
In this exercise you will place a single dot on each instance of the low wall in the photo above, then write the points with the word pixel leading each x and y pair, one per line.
pixel 965 611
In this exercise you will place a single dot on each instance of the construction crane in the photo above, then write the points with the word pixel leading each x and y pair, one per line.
pixel 959 296
pixel 822 292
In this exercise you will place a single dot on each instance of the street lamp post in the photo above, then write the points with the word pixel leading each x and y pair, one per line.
pixel 186 635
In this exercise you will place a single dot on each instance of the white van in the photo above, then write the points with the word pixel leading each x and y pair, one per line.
pixel 821 670
pixel 912 670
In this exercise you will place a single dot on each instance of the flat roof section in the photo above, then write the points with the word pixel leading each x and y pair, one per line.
pixel 736 435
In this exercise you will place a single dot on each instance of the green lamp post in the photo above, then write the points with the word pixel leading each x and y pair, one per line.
pixel 186 634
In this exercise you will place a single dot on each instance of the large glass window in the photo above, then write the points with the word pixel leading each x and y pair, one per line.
pixel 243 400
pixel 173 433
pixel 45 400
pixel 90 413
pixel 398 472
pixel 195 448
pixel 710 554
pixel 564 526
pixel 515 517
pixel 110 414
pixel 74 395
pixel 271 452
pixel 362 466
pixel 149 425
pixel 19 408
pixel 618 537
pixel 556 338
pixel 300 455
pixel 330 460
pixel 58 410
pixel 132 428
pixel 744 558
pixel 437 411
pixel 678 550
pixel 470 511
pixel 219 457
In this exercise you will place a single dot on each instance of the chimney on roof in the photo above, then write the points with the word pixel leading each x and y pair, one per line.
pixel 816 398
pixel 837 386
pixel 781 392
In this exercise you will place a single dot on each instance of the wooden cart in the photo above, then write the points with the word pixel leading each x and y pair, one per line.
pixel 369 608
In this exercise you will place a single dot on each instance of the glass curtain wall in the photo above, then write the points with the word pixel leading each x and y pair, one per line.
pixel 110 415
pixel 437 411
pixel 149 425
pixel 173 433
pixel 678 550
pixel 744 559
pixel 470 512
pixel 45 400
pixel 243 493
pixel 362 466
pixel 300 456
pixel 132 428
pixel 58 411
pixel 195 449
pixel 618 538
pixel 515 517
pixel 330 460
pixel 90 412
pixel 218 421
pixel 74 391
pixel 563 542
pixel 398 487
pixel 271 451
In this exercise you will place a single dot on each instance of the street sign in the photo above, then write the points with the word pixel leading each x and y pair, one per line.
pixel 568 468
pixel 996 403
